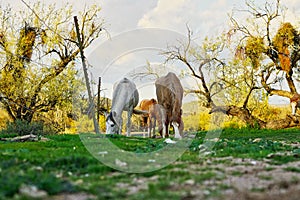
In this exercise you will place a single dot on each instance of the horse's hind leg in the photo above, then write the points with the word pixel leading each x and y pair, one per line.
pixel 153 126
pixel 177 130
pixel 149 124
pixel 166 128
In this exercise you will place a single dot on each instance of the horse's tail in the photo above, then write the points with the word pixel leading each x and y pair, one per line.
pixel 140 112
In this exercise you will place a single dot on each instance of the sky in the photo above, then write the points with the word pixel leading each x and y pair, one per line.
pixel 165 19
pixel 122 15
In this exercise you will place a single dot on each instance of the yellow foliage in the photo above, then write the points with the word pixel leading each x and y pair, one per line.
pixel 205 121
pixel 26 42
pixel 254 49
pixel 196 122
pixel 71 127
pixel 102 124
pixel 84 125
pixel 271 112
pixel 4 118
pixel 233 122
pixel 284 38
pixel 191 122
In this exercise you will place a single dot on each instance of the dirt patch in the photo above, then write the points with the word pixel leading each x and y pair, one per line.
pixel 237 178
pixel 251 179
pixel 75 196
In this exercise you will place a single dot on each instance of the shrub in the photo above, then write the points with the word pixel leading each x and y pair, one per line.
pixel 84 124
pixel 21 127
pixel 233 123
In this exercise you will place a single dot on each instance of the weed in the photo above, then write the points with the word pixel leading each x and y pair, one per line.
pixel 236 173
pixel 265 177
pixel 258 189
pixel 292 169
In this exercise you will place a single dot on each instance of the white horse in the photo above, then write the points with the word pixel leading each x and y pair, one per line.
pixel 125 97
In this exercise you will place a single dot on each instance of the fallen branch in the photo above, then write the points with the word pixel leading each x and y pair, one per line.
pixel 25 138
pixel 288 122
pixel 244 114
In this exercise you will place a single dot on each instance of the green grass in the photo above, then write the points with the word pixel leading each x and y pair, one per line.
pixel 63 164
pixel 291 134
pixel 293 169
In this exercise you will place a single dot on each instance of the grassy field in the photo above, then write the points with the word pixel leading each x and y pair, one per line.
pixel 243 164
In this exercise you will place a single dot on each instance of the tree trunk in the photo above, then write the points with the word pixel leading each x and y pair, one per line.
pixel 288 122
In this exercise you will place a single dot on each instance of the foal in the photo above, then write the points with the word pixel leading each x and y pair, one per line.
pixel 157 113
pixel 144 106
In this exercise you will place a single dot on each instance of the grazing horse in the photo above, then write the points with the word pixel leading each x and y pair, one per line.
pixel 157 113
pixel 169 94
pixel 295 102
pixel 145 105
pixel 125 97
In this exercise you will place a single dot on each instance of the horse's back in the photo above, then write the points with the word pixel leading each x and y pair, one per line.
pixel 146 103
pixel 168 90
pixel 125 92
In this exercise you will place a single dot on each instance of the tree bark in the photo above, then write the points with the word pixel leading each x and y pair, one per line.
pixel 288 122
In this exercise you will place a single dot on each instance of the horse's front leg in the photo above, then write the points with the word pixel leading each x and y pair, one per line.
pixel 129 114
pixel 120 126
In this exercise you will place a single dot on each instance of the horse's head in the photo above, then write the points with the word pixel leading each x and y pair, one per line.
pixel 112 127
pixel 153 101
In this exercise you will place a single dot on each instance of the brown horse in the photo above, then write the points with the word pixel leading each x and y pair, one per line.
pixel 157 113
pixel 145 105
pixel 169 94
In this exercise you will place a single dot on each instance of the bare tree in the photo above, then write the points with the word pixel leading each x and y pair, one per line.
pixel 260 62
pixel 274 57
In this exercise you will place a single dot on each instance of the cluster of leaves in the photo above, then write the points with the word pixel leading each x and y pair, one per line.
pixel 26 42
pixel 254 49
pixel 287 36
